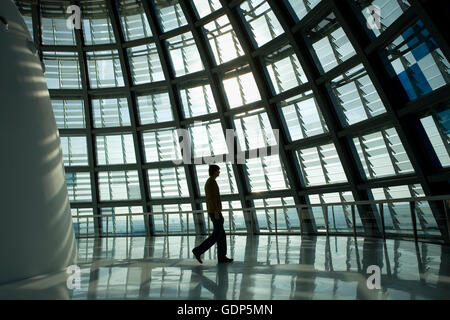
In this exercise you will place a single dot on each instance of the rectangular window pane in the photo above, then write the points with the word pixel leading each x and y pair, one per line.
pixel 303 117
pixel 437 127
pixel 83 221
pixel 284 70
pixel 240 88
pixel 154 108
pixel 330 43
pixel 145 64
pixel 119 185
pixel 114 225
pixel 266 174
pixel 79 186
pixel 167 183
pixel 382 154
pixel 104 69
pixel 62 70
pixel 184 54
pixel 205 7
pixel 262 23
pixel 69 113
pixel 321 165
pixel 74 150
pixel 97 27
pixel 161 145
pixel 197 99
pixel 111 112
pixel 223 40
pixel 254 130
pixel 387 11
pixel 54 23
pixel 301 8
pixel 170 14
pixel 417 62
pixel 172 222
pixel 207 139
pixel 355 96
pixel 133 20
pixel 397 215
pixel 115 149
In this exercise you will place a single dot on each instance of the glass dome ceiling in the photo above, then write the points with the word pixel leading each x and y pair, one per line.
pixel 362 113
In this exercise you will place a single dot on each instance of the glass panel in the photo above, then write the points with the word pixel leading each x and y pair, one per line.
pixel 83 221
pixel 223 40
pixel 161 145
pixel 226 180
pixel 386 11
pixel 133 19
pixel 74 150
pixel 262 23
pixel 382 154
pixel 339 216
pixel 115 149
pixel 207 139
pixel 79 186
pixel 205 7
pixel 355 96
pixel 154 108
pixel 97 27
pixel 303 117
pixel 254 130
pixel 284 70
pixel 145 64
pixel 53 23
pixel 170 14
pixel 111 112
pixel 122 225
pixel 266 174
pixel 167 183
pixel 330 43
pixel 104 69
pixel 171 222
pixel 321 165
pixel 69 113
pixel 119 185
pixel 287 219
pixel 301 7
pixel 437 127
pixel 184 54
pixel 240 87
pixel 197 100
pixel 417 62
pixel 62 70
pixel 397 216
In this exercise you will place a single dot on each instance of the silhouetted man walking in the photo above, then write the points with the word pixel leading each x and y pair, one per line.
pixel 214 207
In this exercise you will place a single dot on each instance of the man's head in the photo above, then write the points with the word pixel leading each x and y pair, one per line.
pixel 214 171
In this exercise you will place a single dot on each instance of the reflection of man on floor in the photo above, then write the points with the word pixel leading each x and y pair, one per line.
pixel 214 207
pixel 219 289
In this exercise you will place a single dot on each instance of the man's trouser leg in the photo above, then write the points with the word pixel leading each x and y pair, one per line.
pixel 214 237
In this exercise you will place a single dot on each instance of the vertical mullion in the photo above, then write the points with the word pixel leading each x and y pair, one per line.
pixel 176 108
pixel 92 156
pixel 287 158
pixel 206 55
pixel 131 98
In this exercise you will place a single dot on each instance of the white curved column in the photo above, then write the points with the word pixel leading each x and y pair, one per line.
pixel 36 233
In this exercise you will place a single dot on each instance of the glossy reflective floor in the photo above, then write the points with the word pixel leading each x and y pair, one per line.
pixel 265 267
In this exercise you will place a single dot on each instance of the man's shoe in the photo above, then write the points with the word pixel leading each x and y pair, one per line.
pixel 225 260
pixel 197 256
